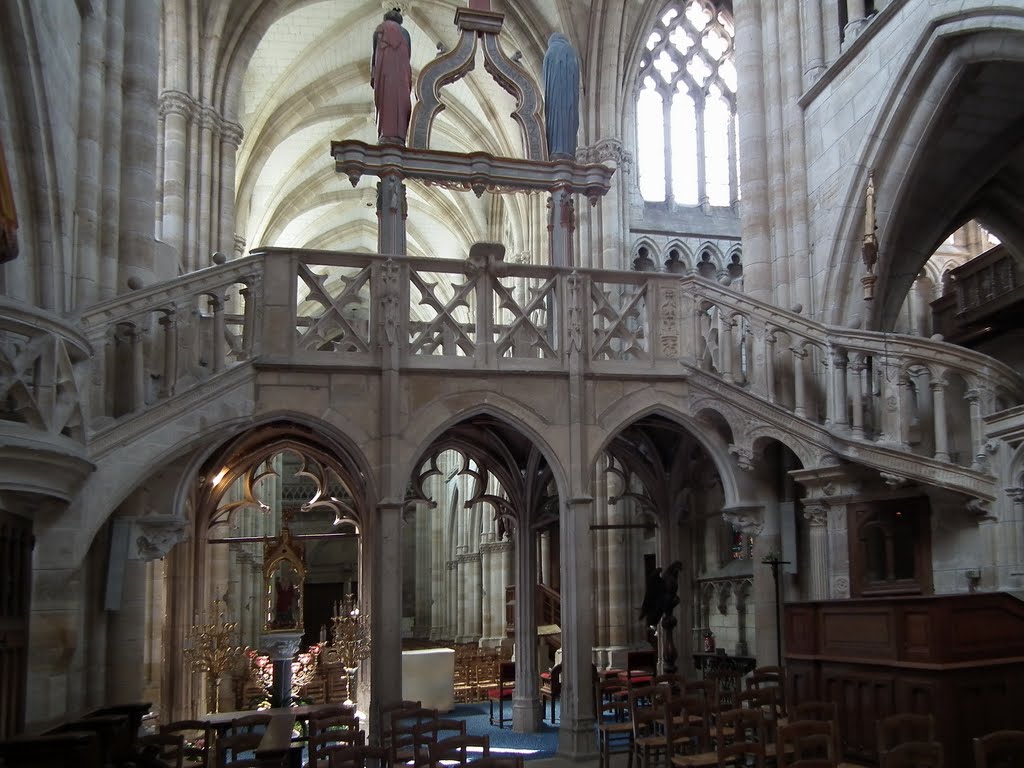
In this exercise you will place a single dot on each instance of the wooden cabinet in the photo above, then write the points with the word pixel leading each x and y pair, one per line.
pixel 959 657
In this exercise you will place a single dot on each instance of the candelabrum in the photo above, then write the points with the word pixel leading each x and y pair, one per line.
pixel 210 648
pixel 350 641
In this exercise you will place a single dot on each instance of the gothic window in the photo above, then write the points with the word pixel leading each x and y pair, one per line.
pixel 687 143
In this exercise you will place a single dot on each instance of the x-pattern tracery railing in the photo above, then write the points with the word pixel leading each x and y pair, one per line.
pixel 884 392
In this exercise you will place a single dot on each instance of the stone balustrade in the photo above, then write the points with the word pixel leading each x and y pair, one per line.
pixel 157 342
pixel 872 397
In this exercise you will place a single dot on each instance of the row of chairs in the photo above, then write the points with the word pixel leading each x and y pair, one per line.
pixel 416 736
pixel 476 670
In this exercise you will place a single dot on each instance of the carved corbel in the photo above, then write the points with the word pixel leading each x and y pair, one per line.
pixel 744 457
pixel 893 480
pixel 980 510
pixel 158 534
pixel 748 520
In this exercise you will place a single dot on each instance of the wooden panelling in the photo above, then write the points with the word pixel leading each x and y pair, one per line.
pixel 801 630
pixel 858 632
pixel 862 697
pixel 917 635
pixel 958 657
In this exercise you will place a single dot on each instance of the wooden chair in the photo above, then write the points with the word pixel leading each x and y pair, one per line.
pixel 651 715
pixel 614 728
pixel 999 749
pixel 386 717
pixel 505 689
pixel 458 749
pixel 814 710
pixel 238 750
pixel 766 700
pixel 254 723
pixel 822 711
pixel 770 677
pixel 899 728
pixel 403 745
pixel 913 754
pixel 198 739
pixel 806 742
pixel 336 730
pixel 356 757
pixel 161 749
pixel 748 745
pixel 550 689
pixel 432 731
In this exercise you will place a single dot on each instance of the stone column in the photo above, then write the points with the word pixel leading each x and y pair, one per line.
pixel 386 608
pixel 816 515
pixel 526 700
pixel 799 384
pixel 561 227
pixel 857 396
pixel 113 126
pixel 392 212
pixel 138 142
pixel 978 399
pixel 840 420
pixel 1010 542
pixel 176 110
pixel 282 648
pixel 230 139
pixel 87 175
pixel 576 728
pixel 856 10
pixel 814 42
pixel 757 261
pixel 938 387
pixel 170 342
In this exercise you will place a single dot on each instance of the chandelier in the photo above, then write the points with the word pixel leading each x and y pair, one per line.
pixel 350 641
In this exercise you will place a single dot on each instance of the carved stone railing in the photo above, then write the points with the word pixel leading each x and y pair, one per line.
pixel 44 369
pixel 912 407
pixel 156 343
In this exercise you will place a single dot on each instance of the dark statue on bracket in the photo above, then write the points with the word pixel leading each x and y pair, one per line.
pixel 660 600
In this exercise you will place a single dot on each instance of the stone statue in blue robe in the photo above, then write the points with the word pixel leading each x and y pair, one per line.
pixel 561 96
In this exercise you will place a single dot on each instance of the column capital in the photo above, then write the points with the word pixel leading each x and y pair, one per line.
pixel 816 513
pixel 1016 495
pixel 177 103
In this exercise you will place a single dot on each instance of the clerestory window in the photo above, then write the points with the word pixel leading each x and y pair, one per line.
pixel 687 146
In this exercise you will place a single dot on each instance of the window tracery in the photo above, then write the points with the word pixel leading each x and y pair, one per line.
pixel 687 146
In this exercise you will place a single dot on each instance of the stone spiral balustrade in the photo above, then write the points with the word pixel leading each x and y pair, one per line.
pixel 44 371
pixel 882 400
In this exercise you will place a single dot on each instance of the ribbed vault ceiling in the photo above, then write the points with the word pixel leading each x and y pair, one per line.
pixel 307 84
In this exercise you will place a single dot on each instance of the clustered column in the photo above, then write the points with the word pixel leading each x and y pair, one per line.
pixel 199 148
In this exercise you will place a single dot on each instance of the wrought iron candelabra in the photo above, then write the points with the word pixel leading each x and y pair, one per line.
pixel 210 648
pixel 350 641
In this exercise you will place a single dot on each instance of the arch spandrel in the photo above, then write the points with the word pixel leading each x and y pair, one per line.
pixel 432 421
pixel 627 411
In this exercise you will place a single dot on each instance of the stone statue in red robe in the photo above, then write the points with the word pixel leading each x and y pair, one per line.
pixel 391 79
